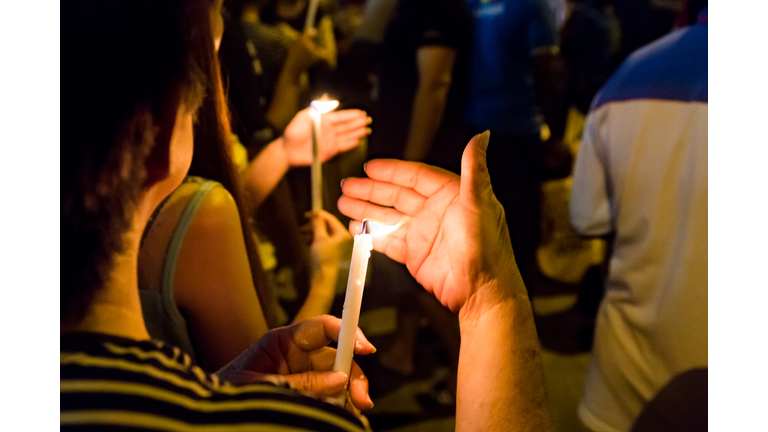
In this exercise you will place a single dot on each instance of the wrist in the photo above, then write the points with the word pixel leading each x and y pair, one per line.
pixel 504 292
pixel 281 154
pixel 325 274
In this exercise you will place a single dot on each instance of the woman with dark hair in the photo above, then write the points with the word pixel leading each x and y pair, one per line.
pixel 136 72
pixel 202 283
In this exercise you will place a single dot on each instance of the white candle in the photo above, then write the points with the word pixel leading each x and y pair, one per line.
pixel 317 166
pixel 350 315
pixel 316 110
pixel 311 13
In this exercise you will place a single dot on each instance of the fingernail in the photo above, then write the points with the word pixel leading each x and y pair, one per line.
pixel 370 120
pixel 370 401
pixel 342 182
pixel 374 349
pixel 358 346
pixel 485 137
pixel 338 379
pixel 364 167
pixel 368 131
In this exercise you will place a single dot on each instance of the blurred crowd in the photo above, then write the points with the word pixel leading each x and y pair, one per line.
pixel 597 111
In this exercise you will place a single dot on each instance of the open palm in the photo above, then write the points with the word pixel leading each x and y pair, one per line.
pixel 457 241
pixel 340 131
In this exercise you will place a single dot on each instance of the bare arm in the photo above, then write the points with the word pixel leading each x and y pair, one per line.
pixel 213 285
pixel 265 171
pixel 435 64
pixel 501 339
pixel 327 41
pixel 322 288
pixel 302 54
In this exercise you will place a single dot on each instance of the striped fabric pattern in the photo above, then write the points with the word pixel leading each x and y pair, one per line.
pixel 111 383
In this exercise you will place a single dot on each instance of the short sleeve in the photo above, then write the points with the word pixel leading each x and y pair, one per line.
pixel 540 31
pixel 590 206
pixel 443 23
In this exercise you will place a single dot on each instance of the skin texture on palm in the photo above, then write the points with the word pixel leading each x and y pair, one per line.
pixel 457 237
pixel 340 131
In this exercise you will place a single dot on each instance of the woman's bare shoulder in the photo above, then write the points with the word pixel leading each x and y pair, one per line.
pixel 160 230
pixel 217 211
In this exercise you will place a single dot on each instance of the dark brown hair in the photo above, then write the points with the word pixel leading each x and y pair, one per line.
pixel 123 63
pixel 214 160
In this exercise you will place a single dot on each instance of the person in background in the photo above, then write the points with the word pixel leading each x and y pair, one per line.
pixel 285 22
pixel 516 87
pixel 642 22
pixel 199 270
pixel 640 179
pixel 422 77
pixel 262 99
pixel 563 255
pixel 265 84
pixel 585 49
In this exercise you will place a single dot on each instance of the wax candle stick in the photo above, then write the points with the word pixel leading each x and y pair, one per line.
pixel 316 110
pixel 317 166
pixel 350 316
pixel 311 13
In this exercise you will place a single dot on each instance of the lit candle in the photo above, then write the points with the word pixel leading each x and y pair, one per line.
pixel 316 110
pixel 350 315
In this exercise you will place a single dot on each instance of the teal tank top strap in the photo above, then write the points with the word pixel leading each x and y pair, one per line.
pixel 174 247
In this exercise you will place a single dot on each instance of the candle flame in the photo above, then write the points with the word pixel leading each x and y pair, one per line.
pixel 324 105
pixel 377 228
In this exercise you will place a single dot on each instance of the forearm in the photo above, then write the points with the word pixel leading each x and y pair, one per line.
pixel 322 289
pixel 285 99
pixel 500 377
pixel 426 117
pixel 327 42
pixel 265 171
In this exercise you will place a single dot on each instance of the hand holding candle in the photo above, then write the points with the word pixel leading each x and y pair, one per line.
pixel 298 354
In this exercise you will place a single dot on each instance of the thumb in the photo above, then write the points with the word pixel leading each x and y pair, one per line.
pixel 475 180
pixel 335 227
pixel 321 383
